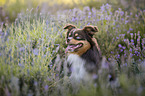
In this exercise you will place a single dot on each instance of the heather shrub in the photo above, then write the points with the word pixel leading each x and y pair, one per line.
pixel 32 52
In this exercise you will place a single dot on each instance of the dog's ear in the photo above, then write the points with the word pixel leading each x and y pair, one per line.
pixel 91 29
pixel 69 26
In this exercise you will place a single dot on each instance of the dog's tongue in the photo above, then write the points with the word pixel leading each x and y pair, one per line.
pixel 70 48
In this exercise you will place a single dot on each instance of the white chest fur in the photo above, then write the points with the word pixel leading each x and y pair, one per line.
pixel 78 70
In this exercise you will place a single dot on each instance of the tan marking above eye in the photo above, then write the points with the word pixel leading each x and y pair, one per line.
pixel 88 29
pixel 76 35
pixel 69 34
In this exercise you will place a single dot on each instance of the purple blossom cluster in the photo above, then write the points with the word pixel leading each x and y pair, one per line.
pixel 132 46
pixel 35 43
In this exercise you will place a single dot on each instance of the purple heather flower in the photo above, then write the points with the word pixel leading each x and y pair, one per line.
pixel 20 64
pixel 123 47
pixel 139 60
pixel 36 51
pixel 73 20
pixel 95 76
pixel 88 24
pixel 103 8
pixel 87 8
pixel 121 50
pixel 89 17
pixel 57 75
pixel 130 29
pixel 119 45
pixel 106 18
pixel 112 52
pixel 49 79
pixel 122 19
pixel 127 16
pixel 124 30
pixel 125 64
pixel 47 22
pixel 93 10
pixel 125 51
pixel 97 19
pixel 118 56
pixel 51 65
pixel 109 76
pixel 121 13
pixel 46 87
pixel 123 35
pixel 124 40
pixel 117 25
pixel 89 13
pixel 94 16
pixel 140 90
pixel 22 49
pixel 130 13
pixel 138 39
pixel 135 52
pixel 132 43
pixel 125 55
pixel 126 21
pixel 109 58
pixel 130 49
pixel 7 17
pixel 117 11
pixel 119 8
pixel 138 33
pixel 114 23
pixel 95 85
pixel 132 40
pixel 131 54
pixel 110 13
pixel 131 33
pixel 136 15
pixel 35 83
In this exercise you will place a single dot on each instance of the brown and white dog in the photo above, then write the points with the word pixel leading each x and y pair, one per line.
pixel 84 56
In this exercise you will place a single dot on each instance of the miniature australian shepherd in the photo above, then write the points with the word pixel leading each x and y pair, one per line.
pixel 83 53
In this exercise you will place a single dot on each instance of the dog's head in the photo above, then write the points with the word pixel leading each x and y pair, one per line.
pixel 79 40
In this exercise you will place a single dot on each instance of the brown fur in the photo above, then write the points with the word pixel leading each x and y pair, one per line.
pixel 90 29
pixel 82 43
pixel 81 50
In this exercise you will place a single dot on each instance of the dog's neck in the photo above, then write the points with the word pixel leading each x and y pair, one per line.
pixel 78 69
pixel 93 59
pixel 85 66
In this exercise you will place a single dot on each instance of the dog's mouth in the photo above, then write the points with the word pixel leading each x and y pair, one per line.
pixel 73 47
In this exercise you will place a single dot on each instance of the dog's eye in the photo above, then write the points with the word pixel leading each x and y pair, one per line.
pixel 78 37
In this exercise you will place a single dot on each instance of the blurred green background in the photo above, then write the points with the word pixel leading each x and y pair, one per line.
pixel 9 9
pixel 32 57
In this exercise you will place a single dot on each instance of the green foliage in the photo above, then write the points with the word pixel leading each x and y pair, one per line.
pixel 11 8
pixel 32 53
